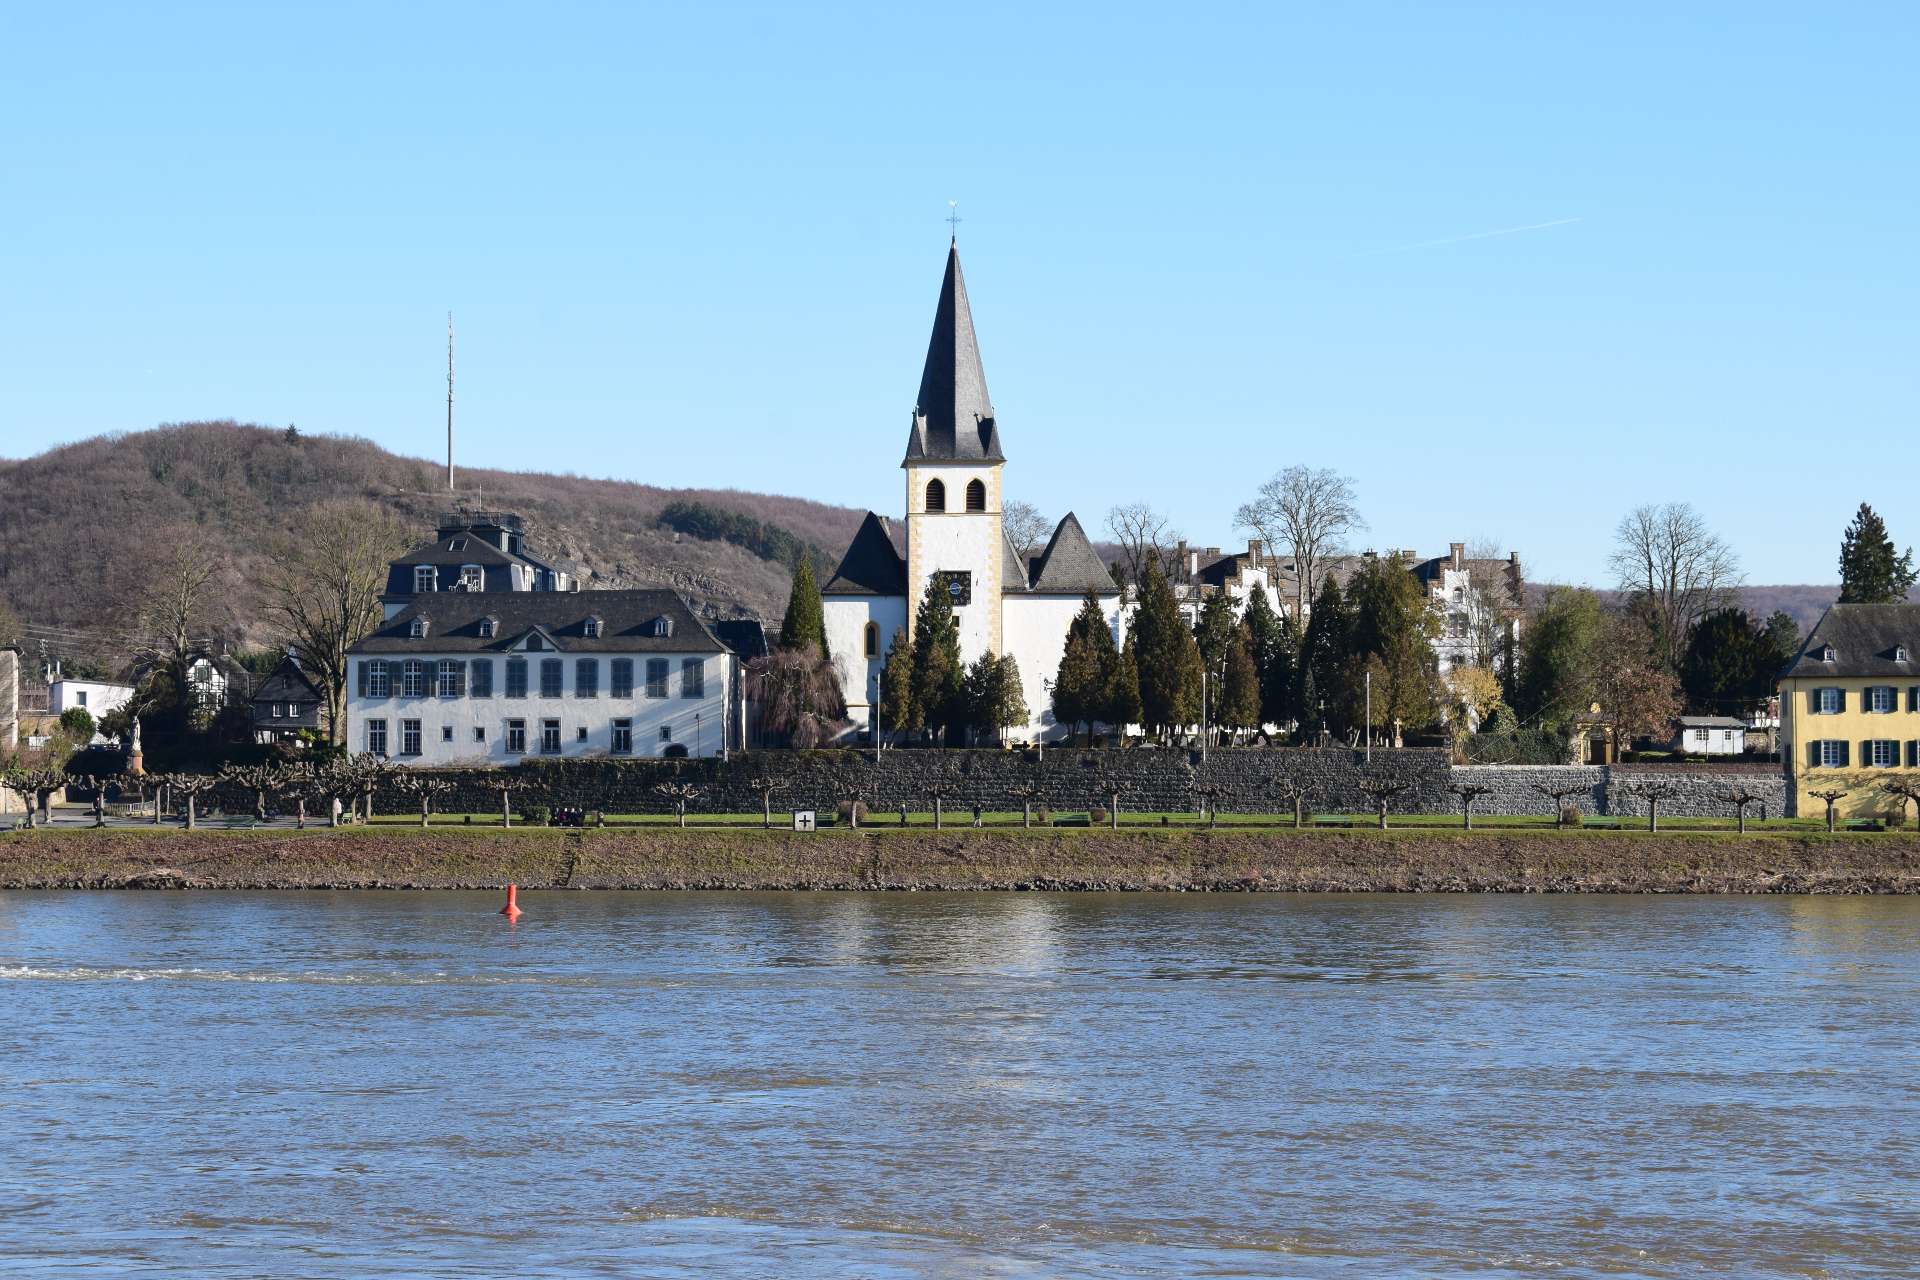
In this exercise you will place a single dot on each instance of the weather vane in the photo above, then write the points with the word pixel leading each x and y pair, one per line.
pixel 953 221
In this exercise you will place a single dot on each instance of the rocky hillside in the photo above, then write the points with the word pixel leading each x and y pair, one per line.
pixel 74 518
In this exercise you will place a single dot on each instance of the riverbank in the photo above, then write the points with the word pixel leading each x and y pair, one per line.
pixel 1492 861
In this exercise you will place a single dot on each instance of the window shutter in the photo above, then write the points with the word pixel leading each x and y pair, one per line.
pixel 1841 694
pixel 1913 697
pixel 459 678
pixel 1846 754
pixel 1913 753
pixel 362 665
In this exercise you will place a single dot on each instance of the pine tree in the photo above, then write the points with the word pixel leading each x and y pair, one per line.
pixel 1123 690
pixel 1274 645
pixel 1870 572
pixel 1240 690
pixel 1323 659
pixel 1166 656
pixel 1010 704
pixel 1214 633
pixel 1080 684
pixel 805 625
pixel 897 711
pixel 1722 664
pixel 937 673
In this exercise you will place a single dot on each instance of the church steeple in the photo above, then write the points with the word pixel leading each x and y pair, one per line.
pixel 953 418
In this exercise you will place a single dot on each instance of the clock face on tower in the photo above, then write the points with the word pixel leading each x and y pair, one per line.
pixel 959 585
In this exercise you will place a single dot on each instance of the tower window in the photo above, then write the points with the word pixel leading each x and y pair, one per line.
pixel 936 496
pixel 873 639
pixel 976 496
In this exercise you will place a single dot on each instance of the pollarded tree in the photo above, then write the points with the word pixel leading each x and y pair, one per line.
pixel 1168 660
pixel 937 672
pixel 1871 571
pixel 805 623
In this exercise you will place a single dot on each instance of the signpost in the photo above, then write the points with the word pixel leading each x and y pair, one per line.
pixel 803 819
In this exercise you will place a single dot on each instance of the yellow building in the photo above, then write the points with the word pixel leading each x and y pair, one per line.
pixel 1850 710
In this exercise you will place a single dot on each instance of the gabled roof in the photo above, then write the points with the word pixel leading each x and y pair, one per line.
pixel 953 415
pixel 872 565
pixel 1070 565
pixel 745 637
pixel 560 615
pixel 1709 722
pixel 1014 569
pixel 288 683
pixel 1864 638
pixel 458 549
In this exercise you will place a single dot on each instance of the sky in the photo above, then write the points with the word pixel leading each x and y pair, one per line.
pixel 1513 269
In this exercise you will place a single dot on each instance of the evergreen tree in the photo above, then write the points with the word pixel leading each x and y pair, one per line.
pixel 1240 689
pixel 1214 632
pixel 1870 571
pixel 1010 702
pixel 1080 686
pixel 1555 661
pixel 937 674
pixel 1723 669
pixel 897 711
pixel 1392 637
pixel 1123 690
pixel 1323 660
pixel 1166 657
pixel 805 625
pixel 981 694
pixel 1779 641
pixel 1274 645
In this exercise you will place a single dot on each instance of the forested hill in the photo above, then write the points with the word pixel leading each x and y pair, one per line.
pixel 74 519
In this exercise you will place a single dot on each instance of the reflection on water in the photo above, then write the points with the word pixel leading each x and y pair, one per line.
pixel 957 1085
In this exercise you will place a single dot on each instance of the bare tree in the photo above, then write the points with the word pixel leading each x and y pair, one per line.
pixel 1831 796
pixel 1468 793
pixel 1025 527
pixel 1308 512
pixel 323 590
pixel 1381 791
pixel 1653 793
pixel 1740 798
pixel 1674 571
pixel 1144 537
pixel 1494 600
pixel 170 620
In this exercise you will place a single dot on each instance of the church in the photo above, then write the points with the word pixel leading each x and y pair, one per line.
pixel 1003 602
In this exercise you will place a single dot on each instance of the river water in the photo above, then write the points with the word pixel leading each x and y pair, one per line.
pixel 1013 1085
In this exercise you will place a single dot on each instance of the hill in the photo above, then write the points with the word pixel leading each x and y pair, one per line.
pixel 74 519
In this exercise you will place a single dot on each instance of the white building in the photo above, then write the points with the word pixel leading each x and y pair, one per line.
pixel 952 540
pixel 1709 735
pixel 459 678
pixel 96 697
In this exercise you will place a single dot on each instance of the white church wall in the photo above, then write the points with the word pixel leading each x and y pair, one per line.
pixel 846 619
pixel 1036 636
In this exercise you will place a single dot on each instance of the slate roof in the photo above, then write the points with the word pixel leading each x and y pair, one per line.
pixel 454 623
pixel 457 549
pixel 1070 565
pixel 745 637
pixel 1863 637
pixel 1709 722
pixel 287 684
pixel 872 565
pixel 953 414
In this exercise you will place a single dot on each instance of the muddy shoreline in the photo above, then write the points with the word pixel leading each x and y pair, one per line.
pixel 1145 860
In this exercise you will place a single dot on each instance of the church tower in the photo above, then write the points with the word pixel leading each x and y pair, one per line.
pixel 953 467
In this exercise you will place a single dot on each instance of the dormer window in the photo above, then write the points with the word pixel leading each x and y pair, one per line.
pixel 457 544
pixel 662 626
pixel 1900 653
pixel 425 578
pixel 1826 653
pixel 418 629
pixel 472 578
pixel 534 642
pixel 488 626
pixel 593 628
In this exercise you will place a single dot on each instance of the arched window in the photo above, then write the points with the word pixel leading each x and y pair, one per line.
pixel 976 496
pixel 936 496
pixel 873 639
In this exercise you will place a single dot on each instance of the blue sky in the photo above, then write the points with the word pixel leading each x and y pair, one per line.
pixel 700 245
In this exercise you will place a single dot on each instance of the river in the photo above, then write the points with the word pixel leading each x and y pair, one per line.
pixel 1012 1085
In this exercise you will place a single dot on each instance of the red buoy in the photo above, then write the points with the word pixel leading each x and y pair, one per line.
pixel 512 910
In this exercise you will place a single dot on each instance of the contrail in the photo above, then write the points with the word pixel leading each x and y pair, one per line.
pixel 1478 235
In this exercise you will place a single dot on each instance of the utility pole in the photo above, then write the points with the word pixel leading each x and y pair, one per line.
pixel 449 402
pixel 879 692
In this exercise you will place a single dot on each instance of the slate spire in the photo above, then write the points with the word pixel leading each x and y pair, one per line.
pixel 953 416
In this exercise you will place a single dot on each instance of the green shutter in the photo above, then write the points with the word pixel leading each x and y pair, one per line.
pixel 1813 755
pixel 1842 695
pixel 363 676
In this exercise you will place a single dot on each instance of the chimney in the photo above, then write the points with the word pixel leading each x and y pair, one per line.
pixel 1459 552
pixel 1253 551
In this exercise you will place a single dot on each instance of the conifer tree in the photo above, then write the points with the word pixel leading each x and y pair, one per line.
pixel 1870 570
pixel 1214 632
pixel 1240 689
pixel 1080 685
pixel 937 673
pixel 897 710
pixel 1167 659
pixel 981 694
pixel 805 624
pixel 1391 635
pixel 1274 645
pixel 1123 690
pixel 1010 703
pixel 1323 659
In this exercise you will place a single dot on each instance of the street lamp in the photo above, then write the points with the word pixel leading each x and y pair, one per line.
pixel 873 682
pixel 696 735
pixel 1046 686
pixel 1369 717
